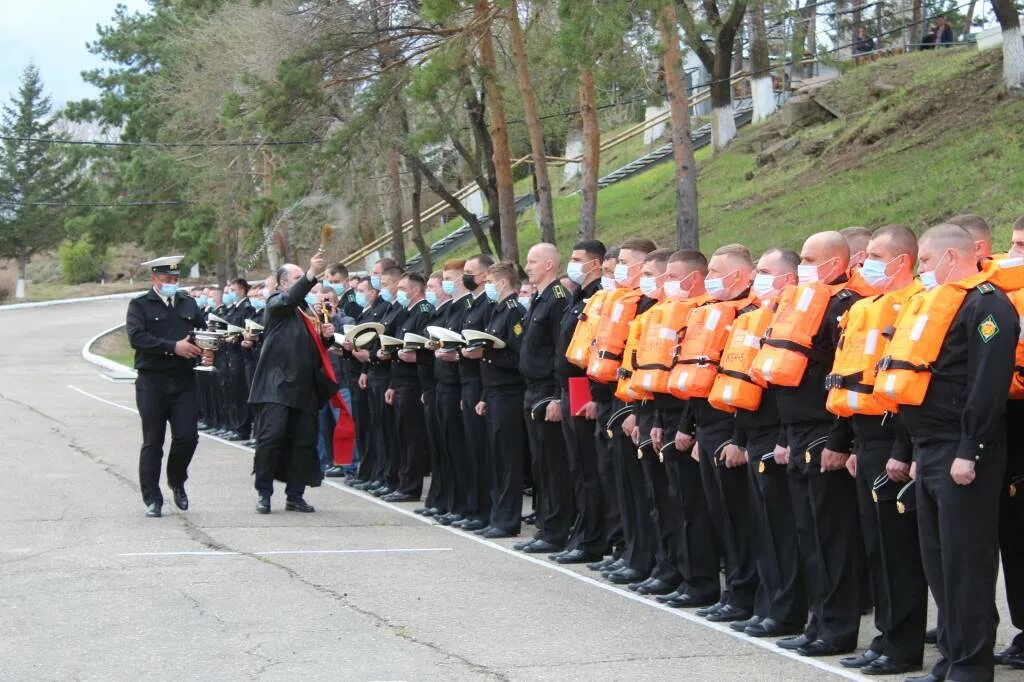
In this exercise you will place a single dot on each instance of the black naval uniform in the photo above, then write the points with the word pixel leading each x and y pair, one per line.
pixel 165 390
pixel 366 417
pixel 478 462
pixel 551 483
pixel 448 484
pixel 1011 520
pixel 382 415
pixel 238 387
pixel 588 532
pixel 413 454
pixel 962 417
pixel 503 390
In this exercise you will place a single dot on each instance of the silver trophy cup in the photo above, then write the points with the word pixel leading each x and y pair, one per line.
pixel 210 342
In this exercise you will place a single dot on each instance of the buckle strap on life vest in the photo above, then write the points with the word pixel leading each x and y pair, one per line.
pixel 608 355
pixel 654 366
pixel 888 363
pixel 736 375
pixel 701 360
pixel 786 344
pixel 850 383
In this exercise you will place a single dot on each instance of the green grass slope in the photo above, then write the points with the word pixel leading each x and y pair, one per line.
pixel 922 137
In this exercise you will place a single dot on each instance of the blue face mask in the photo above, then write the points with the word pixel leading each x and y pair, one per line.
pixel 491 291
pixel 339 289
pixel 230 297
pixel 448 287
pixel 387 295
pixel 258 303
pixel 311 300
pixel 431 298
pixel 873 272
pixel 360 299
pixel 202 301
pixel 928 280
pixel 574 271
pixel 168 290
pixel 402 299
pixel 525 301
pixel 375 282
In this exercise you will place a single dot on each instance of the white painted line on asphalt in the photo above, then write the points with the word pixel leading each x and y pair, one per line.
pixel 62 301
pixel 134 411
pixel 625 594
pixel 678 613
pixel 278 552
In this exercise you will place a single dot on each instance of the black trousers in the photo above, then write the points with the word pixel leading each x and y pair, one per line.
pixel 382 423
pixel 449 451
pixel 477 460
pixel 639 536
pixel 1011 523
pixel 778 555
pixel 728 498
pixel 506 437
pixel 238 393
pixel 364 431
pixel 893 555
pixel 828 527
pixel 439 467
pixel 587 532
pixel 286 449
pixel 556 509
pixel 700 565
pixel 959 534
pixel 666 517
pixel 413 452
pixel 607 470
pixel 226 409
pixel 164 399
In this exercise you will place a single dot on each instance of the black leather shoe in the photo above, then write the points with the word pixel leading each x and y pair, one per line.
pixel 1011 652
pixel 601 565
pixel 931 636
pixel 574 556
pixel 523 544
pixel 742 625
pixel 923 678
pixel 1015 662
pixel 624 577
pixel 665 598
pixel 728 614
pixel 865 658
pixel 153 511
pixel 382 491
pixel 180 498
pixel 883 665
pixel 472 525
pixel 541 547
pixel 335 472
pixel 708 610
pixel 448 519
pixel 692 601
pixel 655 586
pixel 400 497
pixel 482 530
pixel 794 643
pixel 496 533
pixel 201 425
pixel 820 647
pixel 263 504
pixel 299 505
pixel 769 627
pixel 616 565
pixel 233 436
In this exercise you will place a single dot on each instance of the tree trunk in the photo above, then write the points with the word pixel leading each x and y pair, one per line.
pixel 273 250
pixel 723 125
pixel 915 26
pixel 499 136
pixel 687 225
pixel 394 199
pixel 762 91
pixel 591 155
pixel 857 19
pixel 440 190
pixel 968 20
pixel 538 151
pixel 1013 46
pixel 485 147
pixel 417 225
pixel 19 288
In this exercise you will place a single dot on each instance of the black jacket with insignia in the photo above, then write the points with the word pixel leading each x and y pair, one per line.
pixel 453 319
pixel 476 318
pixel 392 320
pixel 154 328
pixel 499 367
pixel 540 335
pixel 417 319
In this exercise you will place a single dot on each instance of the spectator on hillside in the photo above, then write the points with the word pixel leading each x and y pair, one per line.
pixel 863 43
pixel 928 41
pixel 943 33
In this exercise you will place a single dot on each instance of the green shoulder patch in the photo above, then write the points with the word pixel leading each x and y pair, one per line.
pixel 988 329
pixel 559 291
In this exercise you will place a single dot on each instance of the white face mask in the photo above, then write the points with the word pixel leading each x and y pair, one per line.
pixel 928 280
pixel 764 285
pixel 648 285
pixel 672 289
pixel 608 283
pixel 574 271
pixel 715 286
pixel 621 273
pixel 806 274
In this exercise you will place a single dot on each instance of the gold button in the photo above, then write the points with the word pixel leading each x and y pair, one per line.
pixel 807 456
pixel 760 468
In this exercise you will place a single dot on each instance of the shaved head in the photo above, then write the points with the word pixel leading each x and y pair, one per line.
pixel 829 253
pixel 901 239
pixel 949 236
pixel 542 263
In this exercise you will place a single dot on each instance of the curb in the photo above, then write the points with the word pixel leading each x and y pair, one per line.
pixel 105 363
pixel 62 301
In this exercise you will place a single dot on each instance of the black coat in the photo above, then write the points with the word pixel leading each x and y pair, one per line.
pixel 289 371
pixel 153 329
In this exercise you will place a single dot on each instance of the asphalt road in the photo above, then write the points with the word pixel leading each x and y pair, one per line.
pixel 360 590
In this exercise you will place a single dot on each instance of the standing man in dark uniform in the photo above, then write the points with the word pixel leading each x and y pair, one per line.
pixel 439 496
pixel 373 308
pixel 159 324
pixel 290 385
pixel 587 540
pixel 502 401
pixel 385 430
pixel 960 453
pixel 405 394
pixel 238 311
pixel 552 485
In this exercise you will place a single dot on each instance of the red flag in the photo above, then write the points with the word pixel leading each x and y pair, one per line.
pixel 344 440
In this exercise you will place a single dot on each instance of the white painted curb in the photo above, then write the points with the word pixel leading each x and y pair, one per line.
pixel 84 299
pixel 103 362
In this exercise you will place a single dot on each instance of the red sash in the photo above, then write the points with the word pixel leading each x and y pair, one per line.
pixel 344 439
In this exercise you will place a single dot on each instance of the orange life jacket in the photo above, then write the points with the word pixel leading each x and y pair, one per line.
pixel 1007 273
pixel 1017 384
pixel 733 387
pixel 657 348
pixel 707 330
pixel 623 389
pixel 617 312
pixel 582 343
pixel 866 330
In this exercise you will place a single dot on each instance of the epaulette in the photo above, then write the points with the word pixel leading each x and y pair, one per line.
pixel 844 294
pixel 469 303
pixel 986 288
pixel 558 291
pixel 425 307
pixel 511 303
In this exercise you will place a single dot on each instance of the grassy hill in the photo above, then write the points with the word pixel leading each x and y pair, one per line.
pixel 921 137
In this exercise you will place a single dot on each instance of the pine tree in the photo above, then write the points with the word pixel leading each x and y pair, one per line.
pixel 34 175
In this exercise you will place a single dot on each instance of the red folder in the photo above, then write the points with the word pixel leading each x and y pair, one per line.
pixel 579 394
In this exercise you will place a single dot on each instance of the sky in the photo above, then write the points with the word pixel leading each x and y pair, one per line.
pixel 53 34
